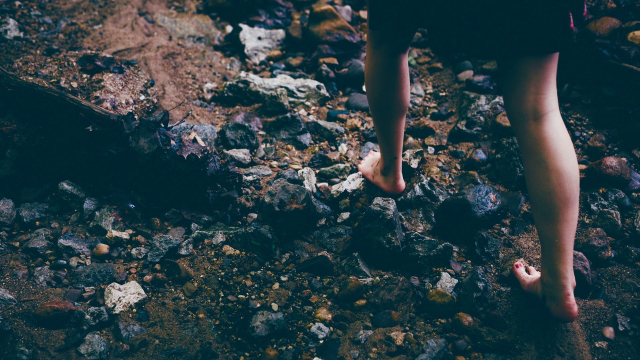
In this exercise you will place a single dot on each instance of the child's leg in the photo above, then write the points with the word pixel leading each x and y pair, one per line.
pixel 387 82
pixel 552 175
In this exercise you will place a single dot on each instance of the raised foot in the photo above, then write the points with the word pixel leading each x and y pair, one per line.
pixel 370 169
pixel 558 299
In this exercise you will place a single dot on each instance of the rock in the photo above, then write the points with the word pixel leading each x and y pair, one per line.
pixel 609 221
pixel 325 129
pixel 309 179
pixel 104 221
pixel 475 112
pixel 42 274
pixel 379 232
pixel 354 75
pixel 463 322
pixel 291 176
pixel 195 29
pixel 89 207
pixel 97 316
pixel 289 128
pixel 237 135
pixel 275 93
pixel 623 325
pixel 463 66
pixel 464 76
pixel 335 171
pixel 5 328
pixel 634 37
pixel 258 42
pixel 266 323
pixel 54 313
pixel 397 337
pixel 127 331
pixel 291 207
pixel 476 293
pixel 604 27
pixel 421 128
pixel 609 333
pixel 424 253
pixel 101 250
pixel 508 163
pixel 502 124
pixel 320 330
pixel 71 192
pixel 435 349
pixel 31 212
pixel 422 193
pixel 38 241
pixel 487 246
pixel 6 299
pixel 319 265
pixel 481 83
pixel 355 266
pixel 336 239
pixel 7 212
pixel 476 207
pixel 446 283
pixel 206 132
pixel 94 347
pixel 345 11
pixel 161 245
pixel 73 245
pixel 385 319
pixel 353 186
pixel 122 297
pixel 614 172
pixel 328 27
pixel 258 171
pixel 477 160
pixel 351 290
pixel 10 29
pixel 239 156
pixel 357 102
pixel 367 148
pixel 93 275
pixel 582 272
pixel 440 304
pixel 322 314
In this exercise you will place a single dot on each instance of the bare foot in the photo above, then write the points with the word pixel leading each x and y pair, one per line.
pixel 371 170
pixel 557 298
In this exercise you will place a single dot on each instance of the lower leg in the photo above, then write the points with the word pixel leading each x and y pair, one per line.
pixel 387 81
pixel 552 177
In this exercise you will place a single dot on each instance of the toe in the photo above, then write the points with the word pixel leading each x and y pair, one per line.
pixel 533 271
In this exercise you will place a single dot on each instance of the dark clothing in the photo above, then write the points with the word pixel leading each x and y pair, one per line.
pixel 484 28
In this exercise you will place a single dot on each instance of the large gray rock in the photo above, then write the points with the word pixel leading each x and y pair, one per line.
pixel 127 331
pixel 379 232
pixel 71 192
pixel 161 245
pixel 38 241
pixel 277 94
pixel 94 347
pixel 508 162
pixel 195 29
pixel 352 186
pixel 289 128
pixel 258 42
pixel 10 29
pixel 326 129
pixel 208 133
pixel 476 293
pixel 73 245
pixel 7 212
pixel 31 212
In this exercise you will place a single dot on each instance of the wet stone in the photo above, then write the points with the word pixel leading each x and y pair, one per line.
pixel 38 241
pixel 161 245
pixel 94 347
pixel 31 212
pixel 422 193
pixel 238 136
pixel 424 253
pixel 266 323
pixel 7 212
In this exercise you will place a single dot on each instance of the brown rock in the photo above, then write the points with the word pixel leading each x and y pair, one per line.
pixel 595 244
pixel 609 333
pixel 327 26
pixel 270 354
pixel 597 145
pixel 604 26
pixel 101 250
pixel 54 313
pixel 440 303
pixel 502 121
pixel 329 61
pixel 274 55
pixel 435 67
pixel 294 31
pixel 421 128
pixel 295 62
pixel 463 321
pixel 582 272
pixel 634 37
pixel 614 171
pixel 322 314
pixel 351 290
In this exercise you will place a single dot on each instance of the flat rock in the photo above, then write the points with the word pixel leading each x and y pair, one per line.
pixel 122 297
pixel 195 29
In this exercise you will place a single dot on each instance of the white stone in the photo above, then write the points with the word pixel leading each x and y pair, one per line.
pixel 258 42
pixel 343 217
pixel 297 90
pixel 6 299
pixel 354 182
pixel 413 157
pixel 309 178
pixel 242 156
pixel 121 297
pixel 9 29
pixel 320 330
pixel 446 283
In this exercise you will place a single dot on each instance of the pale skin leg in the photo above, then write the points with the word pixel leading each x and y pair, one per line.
pixel 552 176
pixel 388 90
pixel 551 168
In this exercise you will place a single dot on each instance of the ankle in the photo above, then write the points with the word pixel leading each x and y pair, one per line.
pixel 558 282
pixel 391 170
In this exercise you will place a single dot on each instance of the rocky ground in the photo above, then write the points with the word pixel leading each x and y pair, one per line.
pixel 303 259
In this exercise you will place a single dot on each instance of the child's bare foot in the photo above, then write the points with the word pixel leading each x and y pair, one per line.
pixel 370 167
pixel 558 298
